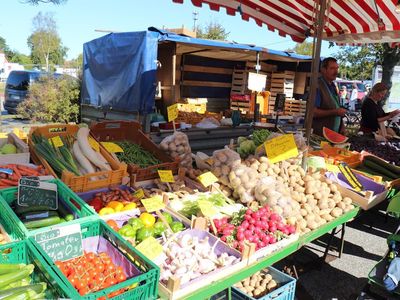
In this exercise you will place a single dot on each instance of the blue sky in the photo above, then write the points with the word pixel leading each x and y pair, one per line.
pixel 77 21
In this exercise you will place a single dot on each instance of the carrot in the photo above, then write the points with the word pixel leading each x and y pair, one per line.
pixel 16 172
pixel 8 182
pixel 28 171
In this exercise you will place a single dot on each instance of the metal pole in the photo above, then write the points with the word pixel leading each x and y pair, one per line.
pixel 315 68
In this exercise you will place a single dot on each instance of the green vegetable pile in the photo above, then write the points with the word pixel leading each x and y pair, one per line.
pixel 191 208
pixel 260 136
pixel 135 154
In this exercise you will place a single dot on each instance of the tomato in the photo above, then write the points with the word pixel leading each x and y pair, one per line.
pixel 90 256
pixel 99 267
pixel 73 280
pixel 120 277
pixel 83 291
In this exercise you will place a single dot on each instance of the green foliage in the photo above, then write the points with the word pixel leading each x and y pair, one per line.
pixel 20 58
pixel 45 43
pixel 212 31
pixel 52 100
pixel 304 48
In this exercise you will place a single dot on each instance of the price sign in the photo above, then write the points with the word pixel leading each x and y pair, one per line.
pixel 207 208
pixel 150 247
pixel 207 179
pixel 332 168
pixel 56 141
pixel 153 204
pixel 112 147
pixel 166 175
pixel 172 111
pixel 37 193
pixel 94 144
pixel 61 243
pixel 281 148
pixel 139 194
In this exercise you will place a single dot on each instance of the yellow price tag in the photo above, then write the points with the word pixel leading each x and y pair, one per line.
pixel 281 148
pixel 112 147
pixel 172 111
pixel 139 194
pixel 94 144
pixel 323 144
pixel 332 168
pixel 153 204
pixel 150 248
pixel 56 141
pixel 3 135
pixel 166 175
pixel 207 179
pixel 207 208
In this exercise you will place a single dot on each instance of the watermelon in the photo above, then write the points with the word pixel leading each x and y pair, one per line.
pixel 333 137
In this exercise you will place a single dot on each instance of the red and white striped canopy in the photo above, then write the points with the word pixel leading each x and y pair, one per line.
pixel 346 22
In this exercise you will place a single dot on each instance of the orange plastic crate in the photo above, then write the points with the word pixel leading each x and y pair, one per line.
pixel 78 183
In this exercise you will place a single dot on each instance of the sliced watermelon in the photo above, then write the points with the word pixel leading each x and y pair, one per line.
pixel 334 137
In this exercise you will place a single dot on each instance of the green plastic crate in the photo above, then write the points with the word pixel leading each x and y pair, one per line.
pixel 147 281
pixel 65 195
pixel 6 220
pixel 24 252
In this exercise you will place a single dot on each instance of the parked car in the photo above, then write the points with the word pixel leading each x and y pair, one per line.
pixel 17 86
pixel 349 86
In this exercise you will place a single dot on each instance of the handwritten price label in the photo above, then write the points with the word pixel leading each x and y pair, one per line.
pixel 207 208
pixel 172 112
pixel 166 175
pixel 112 147
pixel 94 144
pixel 153 204
pixel 56 141
pixel 150 248
pixel 281 148
pixel 139 194
pixel 207 179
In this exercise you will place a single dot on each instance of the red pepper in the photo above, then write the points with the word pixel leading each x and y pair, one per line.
pixel 96 203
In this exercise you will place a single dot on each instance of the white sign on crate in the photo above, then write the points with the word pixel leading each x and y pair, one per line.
pixel 257 82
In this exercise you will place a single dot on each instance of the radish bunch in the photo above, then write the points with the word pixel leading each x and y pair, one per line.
pixel 262 227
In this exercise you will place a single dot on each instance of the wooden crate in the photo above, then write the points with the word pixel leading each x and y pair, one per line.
pixel 295 107
pixel 81 183
pixel 21 157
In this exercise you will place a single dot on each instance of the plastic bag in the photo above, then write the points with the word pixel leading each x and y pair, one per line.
pixel 208 123
pixel 177 146
pixel 222 163
pixel 243 180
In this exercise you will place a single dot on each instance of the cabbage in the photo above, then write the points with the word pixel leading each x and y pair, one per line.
pixel 8 149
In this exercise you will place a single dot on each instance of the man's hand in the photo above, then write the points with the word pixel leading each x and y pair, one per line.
pixel 394 113
pixel 341 112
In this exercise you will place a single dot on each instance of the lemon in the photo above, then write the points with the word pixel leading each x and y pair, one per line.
pixel 147 219
pixel 106 211
pixel 129 206
pixel 116 205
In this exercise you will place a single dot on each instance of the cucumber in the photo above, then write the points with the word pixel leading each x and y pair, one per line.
pixel 379 169
pixel 42 222
pixel 35 215
pixel 62 210
pixel 383 164
pixel 19 210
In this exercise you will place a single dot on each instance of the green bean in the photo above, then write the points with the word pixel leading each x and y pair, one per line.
pixel 135 154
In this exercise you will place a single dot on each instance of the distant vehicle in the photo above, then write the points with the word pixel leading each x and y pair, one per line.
pixel 7 68
pixel 349 86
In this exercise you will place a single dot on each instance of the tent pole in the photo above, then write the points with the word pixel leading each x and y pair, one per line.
pixel 315 68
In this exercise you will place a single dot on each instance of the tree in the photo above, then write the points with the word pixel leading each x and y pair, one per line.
pixel 20 58
pixel 44 42
pixel 304 48
pixel 212 31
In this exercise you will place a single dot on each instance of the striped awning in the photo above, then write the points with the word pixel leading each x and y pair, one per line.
pixel 346 21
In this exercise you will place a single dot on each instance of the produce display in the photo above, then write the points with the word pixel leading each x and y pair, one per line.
pixel 92 272
pixel 114 200
pixel 258 285
pixel 175 190
pixel 11 173
pixel 138 229
pixel 16 283
pixel 177 146
pixel 135 154
pixel 333 137
pixel 73 155
pixel 374 165
pixel 190 257
pixel 261 227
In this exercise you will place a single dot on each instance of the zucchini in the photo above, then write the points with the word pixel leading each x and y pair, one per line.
pixel 8 278
pixel 35 215
pixel 28 290
pixel 20 210
pixel 392 168
pixel 8 268
pixel 42 222
pixel 379 169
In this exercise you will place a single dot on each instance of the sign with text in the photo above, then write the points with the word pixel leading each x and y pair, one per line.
pixel 256 82
pixel 166 175
pixel 207 179
pixel 172 111
pixel 112 147
pixel 61 243
pixel 56 141
pixel 139 194
pixel 150 248
pixel 153 204
pixel 281 148
pixel 207 208
pixel 37 193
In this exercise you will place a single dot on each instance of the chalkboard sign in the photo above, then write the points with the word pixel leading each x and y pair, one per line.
pixel 61 243
pixel 280 102
pixel 33 192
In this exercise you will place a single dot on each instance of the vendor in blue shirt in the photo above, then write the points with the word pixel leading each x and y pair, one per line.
pixel 327 110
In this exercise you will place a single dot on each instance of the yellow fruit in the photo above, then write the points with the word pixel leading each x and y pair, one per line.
pixel 106 211
pixel 116 205
pixel 147 219
pixel 129 206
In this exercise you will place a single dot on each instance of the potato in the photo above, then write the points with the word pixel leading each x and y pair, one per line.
pixel 302 224
pixel 246 282
pixel 317 195
pixel 327 217
pixel 306 230
pixel 336 212
pixel 341 205
pixel 311 224
pixel 272 285
pixel 253 282
pixel 257 292
pixel 268 277
pixel 333 188
pixel 347 200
